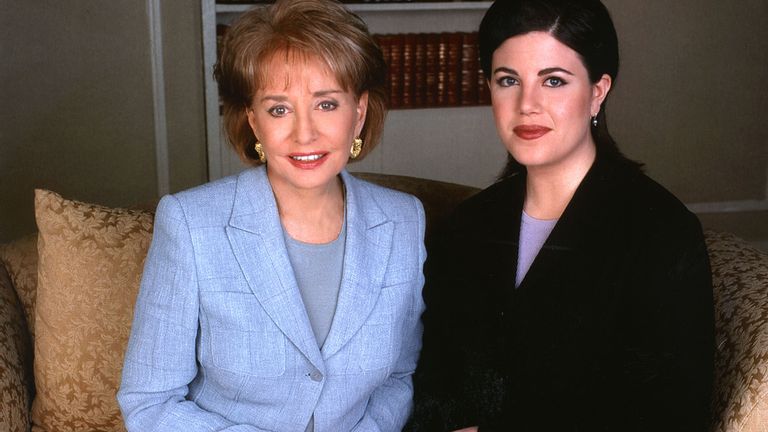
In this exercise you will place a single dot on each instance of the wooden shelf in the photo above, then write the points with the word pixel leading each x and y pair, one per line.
pixel 382 7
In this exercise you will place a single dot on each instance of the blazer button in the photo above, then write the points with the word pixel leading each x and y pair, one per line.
pixel 316 376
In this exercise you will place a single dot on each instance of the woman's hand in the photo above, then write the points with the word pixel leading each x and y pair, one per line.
pixel 469 429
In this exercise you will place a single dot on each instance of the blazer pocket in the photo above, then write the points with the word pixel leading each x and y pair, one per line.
pixel 377 346
pixel 243 339
pixel 383 331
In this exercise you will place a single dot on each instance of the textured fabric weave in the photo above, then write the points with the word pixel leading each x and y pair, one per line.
pixel 91 259
pixel 234 340
pixel 15 355
pixel 740 280
pixel 20 259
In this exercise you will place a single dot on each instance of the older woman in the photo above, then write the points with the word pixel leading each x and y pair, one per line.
pixel 286 298
pixel 574 294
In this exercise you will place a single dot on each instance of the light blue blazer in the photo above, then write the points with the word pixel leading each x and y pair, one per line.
pixel 221 340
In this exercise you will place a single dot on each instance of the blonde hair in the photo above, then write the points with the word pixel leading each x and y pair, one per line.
pixel 321 29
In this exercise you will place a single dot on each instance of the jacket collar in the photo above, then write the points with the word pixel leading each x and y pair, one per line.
pixel 256 236
pixel 584 225
pixel 366 258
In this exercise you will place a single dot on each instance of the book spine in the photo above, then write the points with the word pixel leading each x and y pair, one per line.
pixel 451 69
pixel 432 54
pixel 470 65
pixel 419 70
pixel 385 44
pixel 483 91
pixel 409 48
pixel 396 71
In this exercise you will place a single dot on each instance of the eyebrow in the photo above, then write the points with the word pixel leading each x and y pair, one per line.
pixel 319 93
pixel 542 72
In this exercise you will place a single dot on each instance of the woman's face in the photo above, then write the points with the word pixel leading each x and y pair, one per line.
pixel 306 123
pixel 543 101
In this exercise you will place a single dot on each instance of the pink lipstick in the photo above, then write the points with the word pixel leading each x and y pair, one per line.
pixel 530 132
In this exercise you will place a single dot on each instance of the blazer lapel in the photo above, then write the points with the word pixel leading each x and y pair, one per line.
pixel 494 239
pixel 256 237
pixel 366 255
pixel 583 228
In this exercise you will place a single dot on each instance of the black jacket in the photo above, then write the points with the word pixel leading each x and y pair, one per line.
pixel 611 329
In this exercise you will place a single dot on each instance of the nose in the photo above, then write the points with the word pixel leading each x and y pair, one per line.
pixel 529 102
pixel 304 127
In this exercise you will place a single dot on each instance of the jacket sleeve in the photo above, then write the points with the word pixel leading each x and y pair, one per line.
pixel 160 361
pixel 667 358
pixel 441 399
pixel 390 404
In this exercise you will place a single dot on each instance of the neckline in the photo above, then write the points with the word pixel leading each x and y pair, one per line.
pixel 531 219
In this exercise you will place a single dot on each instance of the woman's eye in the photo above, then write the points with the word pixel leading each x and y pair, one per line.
pixel 278 111
pixel 554 82
pixel 327 106
pixel 506 81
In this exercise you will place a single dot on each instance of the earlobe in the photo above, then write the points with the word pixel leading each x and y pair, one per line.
pixel 600 91
pixel 251 117
pixel 602 87
pixel 362 110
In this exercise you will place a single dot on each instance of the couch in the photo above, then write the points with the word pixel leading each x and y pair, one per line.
pixel 66 296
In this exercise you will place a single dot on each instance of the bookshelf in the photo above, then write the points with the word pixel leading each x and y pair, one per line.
pixel 382 18
pixel 223 9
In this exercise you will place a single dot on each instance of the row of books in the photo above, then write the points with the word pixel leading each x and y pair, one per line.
pixel 433 70
pixel 429 69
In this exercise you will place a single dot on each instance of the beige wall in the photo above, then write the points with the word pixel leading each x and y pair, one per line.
pixel 183 76
pixel 691 97
pixel 80 102
pixel 691 102
pixel 79 105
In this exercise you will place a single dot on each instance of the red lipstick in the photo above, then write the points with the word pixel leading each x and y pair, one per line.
pixel 307 160
pixel 530 132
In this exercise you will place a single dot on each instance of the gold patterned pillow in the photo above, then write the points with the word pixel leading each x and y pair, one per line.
pixel 90 263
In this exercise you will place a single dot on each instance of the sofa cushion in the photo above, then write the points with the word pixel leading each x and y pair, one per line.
pixel 20 259
pixel 439 198
pixel 90 262
pixel 740 281
pixel 15 360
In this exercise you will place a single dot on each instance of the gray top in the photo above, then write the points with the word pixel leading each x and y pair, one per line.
pixel 317 268
pixel 533 234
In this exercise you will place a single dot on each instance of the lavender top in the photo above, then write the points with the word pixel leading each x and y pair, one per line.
pixel 533 234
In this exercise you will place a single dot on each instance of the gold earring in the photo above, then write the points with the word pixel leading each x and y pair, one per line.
pixel 260 152
pixel 357 146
